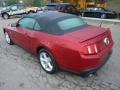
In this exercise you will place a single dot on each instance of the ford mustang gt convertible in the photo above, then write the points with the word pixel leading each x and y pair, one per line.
pixel 62 41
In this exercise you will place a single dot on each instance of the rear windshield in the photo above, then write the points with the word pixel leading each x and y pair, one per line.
pixel 70 23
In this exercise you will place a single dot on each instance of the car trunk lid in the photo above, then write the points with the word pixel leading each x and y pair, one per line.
pixel 93 39
pixel 87 33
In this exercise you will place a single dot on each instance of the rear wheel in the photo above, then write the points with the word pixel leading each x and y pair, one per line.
pixel 7 38
pixel 47 61
pixel 103 16
pixel 82 14
pixel 5 16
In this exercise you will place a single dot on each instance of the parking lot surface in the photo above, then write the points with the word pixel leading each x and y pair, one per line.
pixel 20 70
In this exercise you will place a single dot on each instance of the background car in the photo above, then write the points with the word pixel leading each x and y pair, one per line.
pixel 98 13
pixel 62 7
pixel 66 43
pixel 17 9
pixel 119 15
pixel 0 12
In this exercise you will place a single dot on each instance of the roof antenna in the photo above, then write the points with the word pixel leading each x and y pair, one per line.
pixel 101 23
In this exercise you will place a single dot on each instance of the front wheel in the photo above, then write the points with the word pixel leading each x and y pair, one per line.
pixel 7 38
pixel 47 61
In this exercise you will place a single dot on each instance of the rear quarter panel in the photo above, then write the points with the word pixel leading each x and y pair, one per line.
pixel 65 51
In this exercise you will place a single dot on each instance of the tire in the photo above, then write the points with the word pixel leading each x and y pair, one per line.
pixel 7 38
pixel 5 16
pixel 103 16
pixel 47 61
pixel 82 14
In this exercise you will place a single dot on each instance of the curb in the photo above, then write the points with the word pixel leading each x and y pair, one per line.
pixel 104 20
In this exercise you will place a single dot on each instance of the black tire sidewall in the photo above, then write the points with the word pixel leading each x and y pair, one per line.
pixel 54 70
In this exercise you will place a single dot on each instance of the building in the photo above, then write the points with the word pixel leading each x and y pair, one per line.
pixel 82 4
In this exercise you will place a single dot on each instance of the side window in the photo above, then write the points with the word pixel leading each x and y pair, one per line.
pixel 21 7
pixel 61 7
pixel 37 27
pixel 27 23
pixel 51 7
pixel 103 10
pixel 71 8
pixel 14 8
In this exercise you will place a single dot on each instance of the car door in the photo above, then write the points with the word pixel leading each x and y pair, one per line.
pixel 88 12
pixel 36 37
pixel 21 9
pixel 93 12
pixel 97 12
pixel 24 32
pixel 17 10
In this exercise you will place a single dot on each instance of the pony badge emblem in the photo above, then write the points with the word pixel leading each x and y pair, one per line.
pixel 106 41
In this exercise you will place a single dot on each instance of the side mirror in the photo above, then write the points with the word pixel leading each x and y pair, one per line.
pixel 14 25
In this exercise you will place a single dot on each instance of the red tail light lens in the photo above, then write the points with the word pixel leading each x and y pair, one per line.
pixel 90 49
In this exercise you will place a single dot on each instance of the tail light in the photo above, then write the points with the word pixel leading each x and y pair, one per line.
pixel 90 49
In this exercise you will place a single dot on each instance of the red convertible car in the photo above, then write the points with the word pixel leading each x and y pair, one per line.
pixel 62 41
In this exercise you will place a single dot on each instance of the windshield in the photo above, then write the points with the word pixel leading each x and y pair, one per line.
pixel 70 23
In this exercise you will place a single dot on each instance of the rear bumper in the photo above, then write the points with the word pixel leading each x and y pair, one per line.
pixel 75 61
pixel 89 63
pixel 95 69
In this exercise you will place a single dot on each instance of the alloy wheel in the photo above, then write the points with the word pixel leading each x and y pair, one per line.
pixel 7 38
pixel 46 61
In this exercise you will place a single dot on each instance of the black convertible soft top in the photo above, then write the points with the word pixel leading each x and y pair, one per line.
pixel 49 15
pixel 48 20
